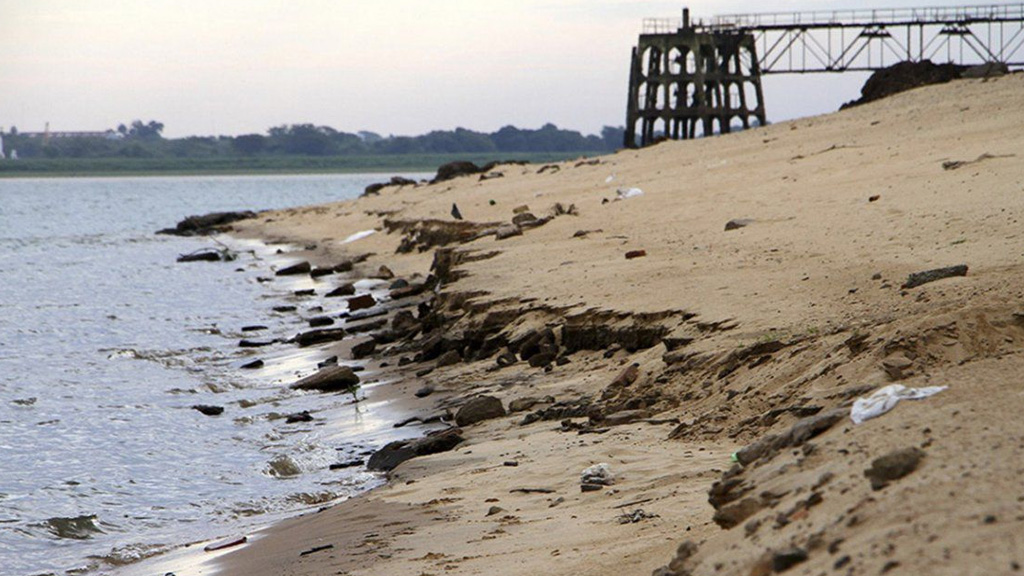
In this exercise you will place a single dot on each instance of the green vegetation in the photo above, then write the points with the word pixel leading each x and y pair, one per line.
pixel 140 149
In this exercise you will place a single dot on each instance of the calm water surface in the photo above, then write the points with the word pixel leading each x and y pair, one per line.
pixel 106 343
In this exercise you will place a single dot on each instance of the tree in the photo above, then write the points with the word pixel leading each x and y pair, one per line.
pixel 249 144
pixel 150 131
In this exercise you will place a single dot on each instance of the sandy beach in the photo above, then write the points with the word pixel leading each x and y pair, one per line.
pixel 713 370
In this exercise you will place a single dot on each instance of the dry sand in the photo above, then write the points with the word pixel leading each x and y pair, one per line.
pixel 738 334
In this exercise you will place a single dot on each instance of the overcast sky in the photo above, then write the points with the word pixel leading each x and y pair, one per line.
pixel 392 66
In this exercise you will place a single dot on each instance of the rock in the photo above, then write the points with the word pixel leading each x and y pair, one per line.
pixel 508 231
pixel 893 466
pixel 331 361
pixel 364 349
pixel 523 218
pixel 599 474
pixel 494 510
pixel 394 453
pixel 319 336
pixel 542 359
pixel 590 487
pixel 399 284
pixel 897 365
pixel 401 181
pixel 987 70
pixel 201 225
pixel 454 170
pixel 735 513
pixel 294 269
pixel 479 409
pixel 343 290
pixel 802 431
pixel 320 321
pixel 284 309
pixel 330 379
pixel 209 410
pixel 918 278
pixel 905 76
pixel 208 255
pixel 627 376
pixel 455 212
pixel 345 266
pixel 424 392
pixel 737 223
pixel 374 189
pixel 384 273
pixel 303 416
pixel 635 254
pixel 786 558
pixel 320 272
pixel 348 464
pixel 252 365
pixel 305 292
pixel 624 417
pixel 253 328
pixel 404 323
pixel 410 290
pixel 360 302
pixel 449 358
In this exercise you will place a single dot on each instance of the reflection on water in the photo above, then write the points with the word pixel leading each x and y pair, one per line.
pixel 106 343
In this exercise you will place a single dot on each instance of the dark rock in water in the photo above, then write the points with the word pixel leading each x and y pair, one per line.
pixel 255 364
pixel 213 222
pixel 424 392
pixel 345 266
pixel 208 255
pixel 209 410
pixel 330 379
pixel 303 416
pixel 454 170
pixel 255 327
pixel 449 358
pixel 349 464
pixel 285 308
pixel 343 290
pixel 255 343
pixel 738 223
pixel 320 321
pixel 327 362
pixel 363 349
pixel 786 558
pixel 319 272
pixel 893 466
pixel 400 283
pixel 479 409
pixel 918 278
pixel 320 335
pixel 76 528
pixel 294 269
pixel 306 292
pixel 360 302
pixel 394 453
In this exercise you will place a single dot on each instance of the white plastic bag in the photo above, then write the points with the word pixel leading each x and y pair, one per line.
pixel 885 399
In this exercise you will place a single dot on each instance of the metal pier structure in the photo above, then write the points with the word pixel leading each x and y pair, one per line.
pixel 694 78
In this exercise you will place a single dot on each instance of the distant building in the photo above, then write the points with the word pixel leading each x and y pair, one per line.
pixel 106 134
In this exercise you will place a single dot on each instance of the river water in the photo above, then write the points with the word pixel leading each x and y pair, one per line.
pixel 106 343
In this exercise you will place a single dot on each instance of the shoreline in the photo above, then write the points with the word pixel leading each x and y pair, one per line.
pixel 712 370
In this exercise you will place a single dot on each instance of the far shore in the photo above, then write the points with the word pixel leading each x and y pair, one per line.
pixel 256 166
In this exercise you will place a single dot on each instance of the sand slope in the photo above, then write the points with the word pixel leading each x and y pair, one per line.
pixel 796 314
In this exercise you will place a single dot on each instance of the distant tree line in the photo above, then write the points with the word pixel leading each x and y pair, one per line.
pixel 144 140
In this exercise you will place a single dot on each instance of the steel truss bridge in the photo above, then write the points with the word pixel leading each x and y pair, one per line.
pixel 868 40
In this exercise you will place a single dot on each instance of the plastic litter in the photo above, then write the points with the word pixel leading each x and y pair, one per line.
pixel 609 179
pixel 358 236
pixel 598 474
pixel 626 193
pixel 885 399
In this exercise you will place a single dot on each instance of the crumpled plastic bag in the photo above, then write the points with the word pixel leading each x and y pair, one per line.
pixel 885 399
pixel 598 474
pixel 626 193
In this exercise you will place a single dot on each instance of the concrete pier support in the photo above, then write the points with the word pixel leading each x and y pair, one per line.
pixel 691 83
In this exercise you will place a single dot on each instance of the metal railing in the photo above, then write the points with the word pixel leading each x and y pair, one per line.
pixel 877 17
